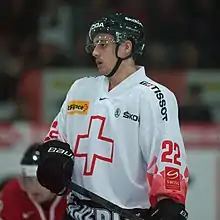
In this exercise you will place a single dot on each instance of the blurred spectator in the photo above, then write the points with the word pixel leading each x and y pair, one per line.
pixel 201 30
pixel 167 22
pixel 185 32
pixel 157 56
pixel 11 66
pixel 55 34
pixel 96 9
pixel 50 56
pixel 189 55
pixel 194 109
pixel 137 8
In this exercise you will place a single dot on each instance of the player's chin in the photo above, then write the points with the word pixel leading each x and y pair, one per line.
pixel 103 73
pixel 102 70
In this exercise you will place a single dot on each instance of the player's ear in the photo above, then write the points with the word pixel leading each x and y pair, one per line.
pixel 125 49
pixel 128 47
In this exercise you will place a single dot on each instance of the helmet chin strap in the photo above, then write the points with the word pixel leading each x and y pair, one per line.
pixel 118 62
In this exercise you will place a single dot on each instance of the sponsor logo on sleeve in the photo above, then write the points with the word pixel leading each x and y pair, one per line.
pixel 172 178
pixel 78 107
pixel 160 97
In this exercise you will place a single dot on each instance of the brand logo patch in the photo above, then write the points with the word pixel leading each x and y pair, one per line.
pixel 172 178
pixel 78 107
pixel 160 97
pixel 131 116
pixel 117 112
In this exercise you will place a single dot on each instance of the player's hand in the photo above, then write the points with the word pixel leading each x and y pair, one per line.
pixel 168 209
pixel 55 166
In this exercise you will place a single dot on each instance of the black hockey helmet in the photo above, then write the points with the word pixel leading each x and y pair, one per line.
pixel 123 28
pixel 30 160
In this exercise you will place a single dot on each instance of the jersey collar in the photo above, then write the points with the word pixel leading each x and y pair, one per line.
pixel 129 82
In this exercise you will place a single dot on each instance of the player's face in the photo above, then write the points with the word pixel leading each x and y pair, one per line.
pixel 104 52
pixel 38 193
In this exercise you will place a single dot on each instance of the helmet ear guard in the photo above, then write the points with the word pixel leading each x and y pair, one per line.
pixel 123 28
pixel 29 161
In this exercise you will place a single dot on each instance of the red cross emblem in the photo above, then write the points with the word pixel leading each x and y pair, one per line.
pixel 83 149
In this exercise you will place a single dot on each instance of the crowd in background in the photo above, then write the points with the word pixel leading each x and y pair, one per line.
pixel 181 34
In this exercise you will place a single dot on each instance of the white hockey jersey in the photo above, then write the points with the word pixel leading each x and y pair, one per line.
pixel 127 142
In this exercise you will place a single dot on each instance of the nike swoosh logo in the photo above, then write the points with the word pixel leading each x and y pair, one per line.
pixel 27 215
pixel 102 99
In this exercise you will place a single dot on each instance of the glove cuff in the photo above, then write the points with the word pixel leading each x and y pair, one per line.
pixel 169 209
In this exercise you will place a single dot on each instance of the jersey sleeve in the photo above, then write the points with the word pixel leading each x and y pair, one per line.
pixel 57 128
pixel 9 208
pixel 162 146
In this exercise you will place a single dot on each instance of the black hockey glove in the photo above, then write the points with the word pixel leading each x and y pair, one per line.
pixel 168 209
pixel 55 166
